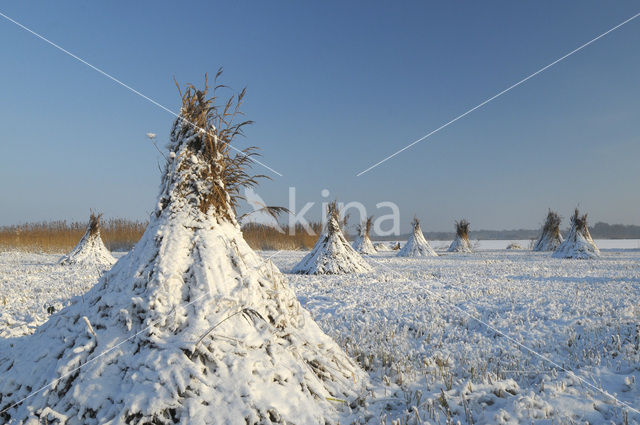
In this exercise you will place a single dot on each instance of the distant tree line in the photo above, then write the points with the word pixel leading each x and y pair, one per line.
pixel 599 230
pixel 602 230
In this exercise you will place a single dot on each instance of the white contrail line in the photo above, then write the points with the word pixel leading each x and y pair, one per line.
pixel 499 94
pixel 264 261
pixel 114 79
pixel 519 344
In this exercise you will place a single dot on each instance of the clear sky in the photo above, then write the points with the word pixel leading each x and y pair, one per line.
pixel 333 87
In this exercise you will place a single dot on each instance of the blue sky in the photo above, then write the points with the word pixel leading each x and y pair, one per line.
pixel 333 87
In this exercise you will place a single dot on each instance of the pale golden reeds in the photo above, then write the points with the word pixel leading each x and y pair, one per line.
pixel 61 236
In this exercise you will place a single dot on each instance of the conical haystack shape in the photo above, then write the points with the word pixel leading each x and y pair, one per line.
pixel 90 250
pixel 191 326
pixel 417 245
pixel 578 243
pixel 332 254
pixel 363 243
pixel 461 242
pixel 550 237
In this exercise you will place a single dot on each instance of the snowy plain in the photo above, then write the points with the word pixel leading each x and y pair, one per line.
pixel 444 339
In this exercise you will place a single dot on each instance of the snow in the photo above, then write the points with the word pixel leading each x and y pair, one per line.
pixel 332 254
pixel 424 358
pixel 578 243
pixel 363 245
pixel 403 326
pixel 548 242
pixel 31 284
pixel 460 245
pixel 417 245
pixel 265 356
pixel 550 236
pixel 90 251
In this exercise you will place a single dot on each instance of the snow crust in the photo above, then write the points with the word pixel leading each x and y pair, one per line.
pixel 415 347
pixel 32 286
pixel 430 364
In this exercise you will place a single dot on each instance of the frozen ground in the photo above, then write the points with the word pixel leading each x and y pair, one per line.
pixel 410 326
pixel 31 285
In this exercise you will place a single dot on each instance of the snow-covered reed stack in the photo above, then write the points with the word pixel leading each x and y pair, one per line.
pixel 461 242
pixel 191 326
pixel 417 245
pixel 363 243
pixel 550 237
pixel 578 243
pixel 90 251
pixel 332 254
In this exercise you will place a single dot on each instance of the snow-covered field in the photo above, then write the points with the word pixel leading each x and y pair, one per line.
pixel 491 337
pixel 32 285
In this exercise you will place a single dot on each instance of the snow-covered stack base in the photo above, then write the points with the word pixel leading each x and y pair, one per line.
pixel 460 245
pixel 550 237
pixel 90 250
pixel 548 243
pixel 417 245
pixel 332 254
pixel 578 243
pixel 461 242
pixel 363 243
